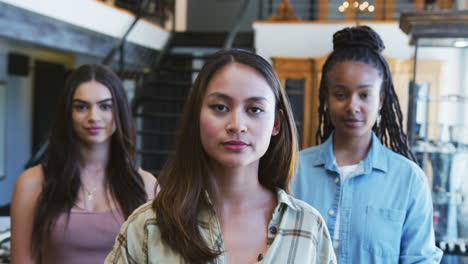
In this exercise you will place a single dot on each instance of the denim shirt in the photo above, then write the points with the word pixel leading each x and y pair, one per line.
pixel 386 212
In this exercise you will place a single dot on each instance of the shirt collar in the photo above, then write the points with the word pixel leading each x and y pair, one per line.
pixel 284 198
pixel 207 214
pixel 375 158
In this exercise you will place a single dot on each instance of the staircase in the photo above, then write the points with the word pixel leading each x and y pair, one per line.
pixel 159 104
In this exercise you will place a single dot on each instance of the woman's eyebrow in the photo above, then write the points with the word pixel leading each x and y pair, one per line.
pixel 256 99
pixel 228 98
pixel 86 102
pixel 105 100
pixel 342 86
pixel 220 95
pixel 76 100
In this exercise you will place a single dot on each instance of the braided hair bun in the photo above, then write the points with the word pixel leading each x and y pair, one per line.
pixel 359 36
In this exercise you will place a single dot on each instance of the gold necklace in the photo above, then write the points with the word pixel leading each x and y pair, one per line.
pixel 90 194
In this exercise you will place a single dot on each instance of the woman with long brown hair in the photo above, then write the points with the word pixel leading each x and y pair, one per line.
pixel 69 208
pixel 224 194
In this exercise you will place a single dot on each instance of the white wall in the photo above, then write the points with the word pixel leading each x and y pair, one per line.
pixel 313 39
pixel 3 116
pixel 454 82
pixel 181 15
pixel 19 110
pixel 450 77
pixel 464 91
pixel 98 17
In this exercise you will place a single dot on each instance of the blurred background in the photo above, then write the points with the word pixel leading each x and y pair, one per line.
pixel 158 46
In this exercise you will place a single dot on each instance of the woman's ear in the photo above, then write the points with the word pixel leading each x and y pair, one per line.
pixel 277 124
pixel 382 98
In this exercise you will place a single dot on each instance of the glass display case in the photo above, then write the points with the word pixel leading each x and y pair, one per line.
pixel 438 120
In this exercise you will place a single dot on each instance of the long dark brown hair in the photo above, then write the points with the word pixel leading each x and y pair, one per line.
pixel 364 45
pixel 185 179
pixel 61 166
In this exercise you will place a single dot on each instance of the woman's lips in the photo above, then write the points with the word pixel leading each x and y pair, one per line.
pixel 352 122
pixel 235 145
pixel 94 130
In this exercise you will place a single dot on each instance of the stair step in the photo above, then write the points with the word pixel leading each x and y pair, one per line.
pixel 157 98
pixel 183 84
pixel 212 39
pixel 158 115
pixel 178 69
pixel 155 133
pixel 187 56
pixel 155 152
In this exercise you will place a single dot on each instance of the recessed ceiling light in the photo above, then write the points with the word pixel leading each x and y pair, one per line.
pixel 460 43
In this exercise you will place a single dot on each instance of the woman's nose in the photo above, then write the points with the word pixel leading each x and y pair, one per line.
pixel 236 123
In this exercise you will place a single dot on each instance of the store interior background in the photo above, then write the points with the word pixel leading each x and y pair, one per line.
pixel 41 41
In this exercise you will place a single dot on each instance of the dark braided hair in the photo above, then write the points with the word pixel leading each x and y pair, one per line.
pixel 364 45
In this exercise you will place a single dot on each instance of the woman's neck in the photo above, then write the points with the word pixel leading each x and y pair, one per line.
pixel 238 188
pixel 94 157
pixel 350 150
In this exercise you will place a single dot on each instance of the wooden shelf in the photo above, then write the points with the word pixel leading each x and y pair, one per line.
pixel 435 24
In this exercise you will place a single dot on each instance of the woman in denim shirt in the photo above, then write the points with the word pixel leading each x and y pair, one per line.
pixel 375 199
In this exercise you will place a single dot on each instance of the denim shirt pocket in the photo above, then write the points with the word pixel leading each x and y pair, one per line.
pixel 383 231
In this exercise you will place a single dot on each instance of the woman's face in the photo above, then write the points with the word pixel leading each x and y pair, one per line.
pixel 92 113
pixel 354 98
pixel 238 116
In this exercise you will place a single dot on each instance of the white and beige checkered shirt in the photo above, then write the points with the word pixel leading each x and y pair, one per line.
pixel 297 234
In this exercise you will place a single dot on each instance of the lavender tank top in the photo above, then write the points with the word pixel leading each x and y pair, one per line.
pixel 87 238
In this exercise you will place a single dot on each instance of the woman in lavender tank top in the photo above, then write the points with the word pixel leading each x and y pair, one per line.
pixel 69 208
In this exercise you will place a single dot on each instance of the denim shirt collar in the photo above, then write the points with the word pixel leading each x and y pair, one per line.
pixel 376 158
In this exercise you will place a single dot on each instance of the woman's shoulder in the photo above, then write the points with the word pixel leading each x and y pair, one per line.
pixel 312 150
pixel 135 235
pixel 313 154
pixel 403 162
pixel 141 216
pixel 150 183
pixel 31 179
pixel 402 170
pixel 142 212
pixel 28 187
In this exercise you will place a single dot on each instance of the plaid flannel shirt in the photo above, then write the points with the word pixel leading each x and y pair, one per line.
pixel 296 234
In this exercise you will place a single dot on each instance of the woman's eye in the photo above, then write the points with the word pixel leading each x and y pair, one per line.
pixel 219 108
pixel 106 107
pixel 339 96
pixel 256 110
pixel 364 95
pixel 80 107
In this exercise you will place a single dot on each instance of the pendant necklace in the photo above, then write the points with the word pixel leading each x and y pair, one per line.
pixel 90 194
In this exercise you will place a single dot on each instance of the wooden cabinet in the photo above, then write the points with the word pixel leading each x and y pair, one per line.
pixel 306 70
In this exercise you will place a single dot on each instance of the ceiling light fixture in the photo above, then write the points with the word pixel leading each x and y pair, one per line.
pixel 363 7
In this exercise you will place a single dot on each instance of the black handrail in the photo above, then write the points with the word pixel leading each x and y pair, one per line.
pixel 233 33
pixel 122 41
pixel 167 46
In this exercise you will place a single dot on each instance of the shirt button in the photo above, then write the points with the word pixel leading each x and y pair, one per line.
pixel 337 180
pixel 260 257
pixel 331 212
pixel 273 230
